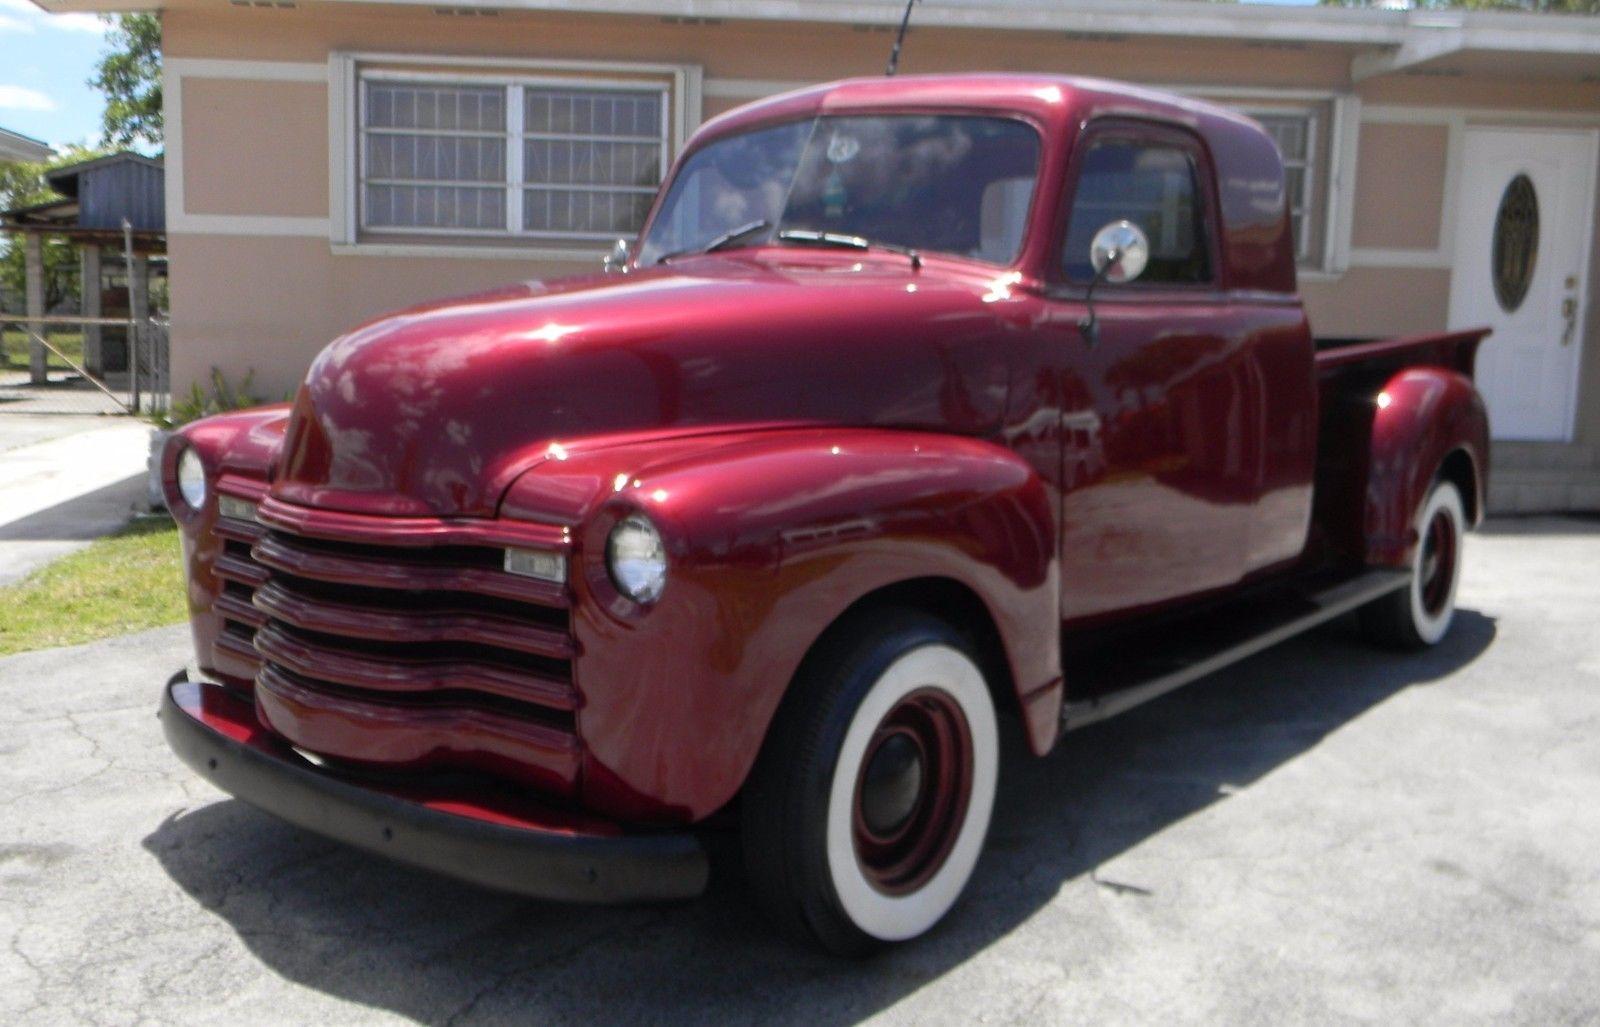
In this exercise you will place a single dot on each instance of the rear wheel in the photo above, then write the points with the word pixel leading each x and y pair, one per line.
pixel 1420 614
pixel 867 810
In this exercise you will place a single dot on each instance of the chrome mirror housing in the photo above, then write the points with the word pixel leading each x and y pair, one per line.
pixel 617 259
pixel 1119 252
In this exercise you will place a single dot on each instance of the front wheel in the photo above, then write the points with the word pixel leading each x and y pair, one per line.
pixel 1419 615
pixel 866 813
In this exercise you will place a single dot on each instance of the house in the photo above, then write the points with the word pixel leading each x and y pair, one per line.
pixel 14 146
pixel 330 161
pixel 112 208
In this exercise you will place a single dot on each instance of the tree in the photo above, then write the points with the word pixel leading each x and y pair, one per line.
pixel 129 74
pixel 1532 6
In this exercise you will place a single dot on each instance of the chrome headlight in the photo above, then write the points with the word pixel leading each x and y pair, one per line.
pixel 637 559
pixel 192 479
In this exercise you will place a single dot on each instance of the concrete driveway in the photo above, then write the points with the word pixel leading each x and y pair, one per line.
pixel 65 481
pixel 1324 833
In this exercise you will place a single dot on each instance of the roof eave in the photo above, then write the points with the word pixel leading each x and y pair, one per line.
pixel 1344 26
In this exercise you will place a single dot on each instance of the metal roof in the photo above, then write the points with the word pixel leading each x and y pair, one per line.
pixel 96 196
pixel 16 146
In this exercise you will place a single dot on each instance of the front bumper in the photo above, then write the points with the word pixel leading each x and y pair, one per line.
pixel 515 847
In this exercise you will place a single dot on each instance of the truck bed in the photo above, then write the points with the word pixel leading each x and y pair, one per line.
pixel 1351 373
pixel 1337 355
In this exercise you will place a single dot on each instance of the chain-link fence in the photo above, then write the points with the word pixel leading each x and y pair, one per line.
pixel 62 364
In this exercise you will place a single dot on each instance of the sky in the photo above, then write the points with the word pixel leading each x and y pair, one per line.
pixel 46 60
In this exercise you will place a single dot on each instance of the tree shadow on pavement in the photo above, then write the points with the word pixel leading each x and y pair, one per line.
pixel 368 931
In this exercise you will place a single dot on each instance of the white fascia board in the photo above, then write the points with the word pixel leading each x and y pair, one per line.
pixel 1421 46
pixel 1361 27
pixel 1181 18
pixel 97 6
pixel 1369 28
pixel 1575 34
pixel 1430 35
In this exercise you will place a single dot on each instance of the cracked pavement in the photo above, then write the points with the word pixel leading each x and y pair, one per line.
pixel 1324 832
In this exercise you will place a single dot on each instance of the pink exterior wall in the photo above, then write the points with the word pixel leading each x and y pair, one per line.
pixel 1400 161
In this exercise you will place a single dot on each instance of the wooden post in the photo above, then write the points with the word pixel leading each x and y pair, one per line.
pixel 33 266
pixel 138 319
pixel 93 357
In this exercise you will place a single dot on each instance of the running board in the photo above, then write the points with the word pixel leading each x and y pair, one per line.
pixel 1215 639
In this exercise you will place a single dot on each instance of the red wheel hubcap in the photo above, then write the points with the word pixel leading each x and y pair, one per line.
pixel 911 791
pixel 1438 567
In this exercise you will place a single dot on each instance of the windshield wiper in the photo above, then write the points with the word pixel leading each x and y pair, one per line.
pixel 812 237
pixel 722 242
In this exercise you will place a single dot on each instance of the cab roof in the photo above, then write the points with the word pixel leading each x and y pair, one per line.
pixel 1256 246
pixel 1047 99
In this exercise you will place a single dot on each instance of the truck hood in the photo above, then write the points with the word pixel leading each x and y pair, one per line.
pixel 437 409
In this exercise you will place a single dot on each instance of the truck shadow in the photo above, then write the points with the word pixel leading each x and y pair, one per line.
pixel 368 931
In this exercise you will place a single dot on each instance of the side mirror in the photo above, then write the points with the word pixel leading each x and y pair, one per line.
pixel 617 259
pixel 1119 252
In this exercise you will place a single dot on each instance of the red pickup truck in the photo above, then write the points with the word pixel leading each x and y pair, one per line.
pixel 924 409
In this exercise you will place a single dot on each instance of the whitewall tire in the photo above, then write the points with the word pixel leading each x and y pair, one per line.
pixel 887 908
pixel 867 811
pixel 1420 615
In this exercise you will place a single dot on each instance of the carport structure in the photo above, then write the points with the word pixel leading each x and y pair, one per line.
pixel 113 209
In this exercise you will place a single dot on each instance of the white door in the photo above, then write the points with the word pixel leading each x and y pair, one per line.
pixel 1524 215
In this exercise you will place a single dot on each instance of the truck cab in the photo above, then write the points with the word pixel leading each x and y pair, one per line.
pixel 916 400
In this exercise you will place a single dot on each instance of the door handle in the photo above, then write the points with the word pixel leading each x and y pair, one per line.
pixel 1569 311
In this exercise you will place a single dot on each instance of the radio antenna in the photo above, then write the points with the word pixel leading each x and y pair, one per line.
pixel 900 38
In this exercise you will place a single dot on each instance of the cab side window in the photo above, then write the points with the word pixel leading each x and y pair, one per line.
pixel 1155 186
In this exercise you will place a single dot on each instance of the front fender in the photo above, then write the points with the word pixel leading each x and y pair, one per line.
pixel 239 450
pixel 771 536
pixel 1423 415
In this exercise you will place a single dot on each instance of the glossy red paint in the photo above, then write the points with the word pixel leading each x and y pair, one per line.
pixel 235 718
pixel 809 430
pixel 1254 233
pixel 901 851
pixel 762 336
pixel 1393 413
pixel 376 733
pixel 1423 415
pixel 773 534
pixel 238 451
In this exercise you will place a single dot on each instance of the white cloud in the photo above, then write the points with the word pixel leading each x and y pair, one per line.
pixel 22 16
pixel 78 23
pixel 21 98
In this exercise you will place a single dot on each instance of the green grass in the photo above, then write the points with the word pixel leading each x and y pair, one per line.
pixel 14 347
pixel 125 582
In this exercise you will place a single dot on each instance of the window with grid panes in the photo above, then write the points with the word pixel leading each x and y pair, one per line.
pixel 517 159
pixel 1295 134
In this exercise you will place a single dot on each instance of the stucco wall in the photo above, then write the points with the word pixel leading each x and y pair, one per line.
pixel 269 297
pixel 1400 161
pixel 274 161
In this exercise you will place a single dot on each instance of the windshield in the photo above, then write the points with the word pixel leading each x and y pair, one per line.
pixel 947 184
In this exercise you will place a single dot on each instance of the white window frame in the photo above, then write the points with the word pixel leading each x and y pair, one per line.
pixel 1310 164
pixel 515 183
pixel 680 85
pixel 1332 258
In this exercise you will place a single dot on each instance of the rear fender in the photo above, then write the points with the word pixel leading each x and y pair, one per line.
pixel 1422 415
pixel 771 536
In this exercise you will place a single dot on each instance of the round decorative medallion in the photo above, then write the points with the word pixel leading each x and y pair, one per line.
pixel 1516 243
